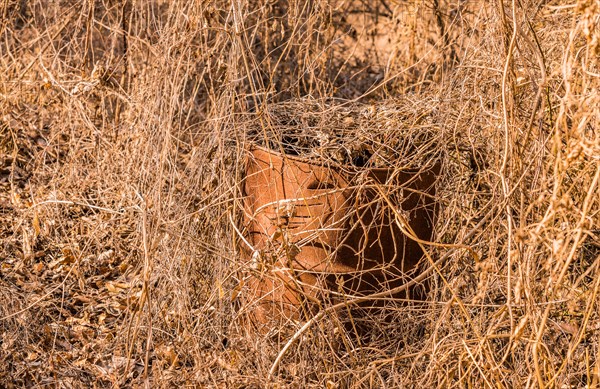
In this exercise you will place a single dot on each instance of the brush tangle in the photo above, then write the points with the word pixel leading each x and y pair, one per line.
pixel 124 127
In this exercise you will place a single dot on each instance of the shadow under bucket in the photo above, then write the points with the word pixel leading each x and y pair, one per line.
pixel 322 233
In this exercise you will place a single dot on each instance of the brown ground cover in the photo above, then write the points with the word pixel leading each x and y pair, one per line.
pixel 123 131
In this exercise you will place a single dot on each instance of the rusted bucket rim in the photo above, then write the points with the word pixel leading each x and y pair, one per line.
pixel 346 168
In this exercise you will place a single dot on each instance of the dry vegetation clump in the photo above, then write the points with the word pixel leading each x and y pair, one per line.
pixel 391 133
pixel 123 132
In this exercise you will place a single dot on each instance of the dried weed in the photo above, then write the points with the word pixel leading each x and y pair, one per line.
pixel 123 131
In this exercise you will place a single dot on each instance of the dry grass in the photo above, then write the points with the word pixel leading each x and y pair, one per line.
pixel 123 127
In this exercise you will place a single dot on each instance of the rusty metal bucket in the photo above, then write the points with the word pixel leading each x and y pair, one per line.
pixel 316 233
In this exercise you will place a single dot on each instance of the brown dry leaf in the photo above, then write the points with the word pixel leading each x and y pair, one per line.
pixel 32 356
pixel 36 225
pixel 225 365
pixel 38 268
pixel 123 266
pixel 27 244
pixel 233 357
pixel 116 287
pixel 83 298
pixel 570 328
pixel 82 332
pixel 331 385
pixel 66 259
pixel 68 256
pixel 237 290
pixel 117 305
pixel 167 355
pixel 111 288
pixel 220 289
pixel 106 255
